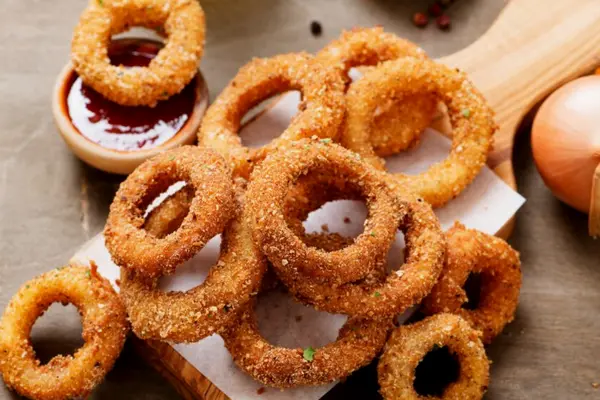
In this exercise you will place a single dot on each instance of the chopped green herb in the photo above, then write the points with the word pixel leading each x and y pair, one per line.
pixel 171 158
pixel 372 234
pixel 101 3
pixel 326 140
pixel 26 286
pixel 466 112
pixel 88 273
pixel 309 353
pixel 377 294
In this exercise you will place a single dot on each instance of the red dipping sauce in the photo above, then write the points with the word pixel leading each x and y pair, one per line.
pixel 126 128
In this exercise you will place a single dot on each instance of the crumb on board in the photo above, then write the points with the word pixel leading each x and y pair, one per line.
pixel 347 220
pixel 261 390
pixel 298 318
pixel 325 228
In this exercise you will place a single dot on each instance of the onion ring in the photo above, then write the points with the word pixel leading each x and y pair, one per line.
pixel 374 298
pixel 470 251
pixel 322 109
pixel 470 115
pixel 167 74
pixel 134 248
pixel 396 126
pixel 359 341
pixel 105 328
pixel 267 193
pixel 410 343
pixel 205 309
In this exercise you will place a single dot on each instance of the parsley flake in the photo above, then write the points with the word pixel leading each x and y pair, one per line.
pixel 466 112
pixel 309 353
pixel 88 273
pixel 101 3
pixel 327 140
pixel 372 234
pixel 377 294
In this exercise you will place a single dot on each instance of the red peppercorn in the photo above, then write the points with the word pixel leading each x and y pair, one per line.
pixel 443 22
pixel 435 10
pixel 420 19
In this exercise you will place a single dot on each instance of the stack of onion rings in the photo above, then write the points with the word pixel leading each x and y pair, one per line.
pixel 167 74
pixel 134 248
pixel 470 251
pixel 396 125
pixel 321 111
pixel 471 118
pixel 409 344
pixel 104 331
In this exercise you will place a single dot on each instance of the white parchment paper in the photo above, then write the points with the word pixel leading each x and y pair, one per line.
pixel 486 205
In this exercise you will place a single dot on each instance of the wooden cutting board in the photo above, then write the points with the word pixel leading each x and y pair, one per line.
pixel 533 47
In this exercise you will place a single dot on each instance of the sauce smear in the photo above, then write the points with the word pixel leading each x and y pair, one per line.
pixel 124 128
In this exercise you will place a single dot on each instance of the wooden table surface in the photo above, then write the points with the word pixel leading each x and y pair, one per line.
pixel 51 203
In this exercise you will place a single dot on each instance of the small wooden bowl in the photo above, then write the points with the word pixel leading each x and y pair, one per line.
pixel 114 161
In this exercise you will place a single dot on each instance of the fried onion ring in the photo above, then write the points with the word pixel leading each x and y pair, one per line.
pixel 168 73
pixel 321 113
pixel 396 292
pixel 398 125
pixel 268 190
pixel 359 341
pixel 105 328
pixel 470 251
pixel 134 248
pixel 471 117
pixel 409 344
pixel 185 317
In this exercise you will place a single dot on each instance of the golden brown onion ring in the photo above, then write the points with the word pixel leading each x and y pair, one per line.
pixel 471 117
pixel 134 248
pixel 167 74
pixel 321 110
pixel 105 328
pixel 267 193
pixel 473 252
pixel 409 344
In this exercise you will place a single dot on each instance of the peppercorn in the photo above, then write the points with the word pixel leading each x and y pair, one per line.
pixel 315 28
pixel 443 22
pixel 435 10
pixel 420 19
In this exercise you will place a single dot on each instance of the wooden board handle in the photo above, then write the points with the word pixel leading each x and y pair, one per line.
pixel 594 221
pixel 533 47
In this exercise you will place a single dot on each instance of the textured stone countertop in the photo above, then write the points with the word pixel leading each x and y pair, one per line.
pixel 50 203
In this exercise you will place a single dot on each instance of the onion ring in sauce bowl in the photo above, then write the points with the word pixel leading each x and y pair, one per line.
pixel 167 74
pixel 268 190
pixel 470 251
pixel 409 344
pixel 134 248
pixel 105 328
pixel 471 117
pixel 321 113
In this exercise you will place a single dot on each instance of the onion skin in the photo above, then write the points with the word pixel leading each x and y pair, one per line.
pixel 565 140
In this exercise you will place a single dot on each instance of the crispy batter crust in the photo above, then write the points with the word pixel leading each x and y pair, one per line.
pixel 321 113
pixel 134 248
pixel 267 194
pixel 470 251
pixel 167 74
pixel 410 343
pixel 374 298
pixel 359 341
pixel 471 118
pixel 193 315
pixel 396 125
pixel 104 331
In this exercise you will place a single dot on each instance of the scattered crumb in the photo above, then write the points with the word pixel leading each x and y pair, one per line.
pixel 347 220
pixel 118 282
pixel 261 390
pixel 522 331
pixel 325 228
pixel 298 318
pixel 596 385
